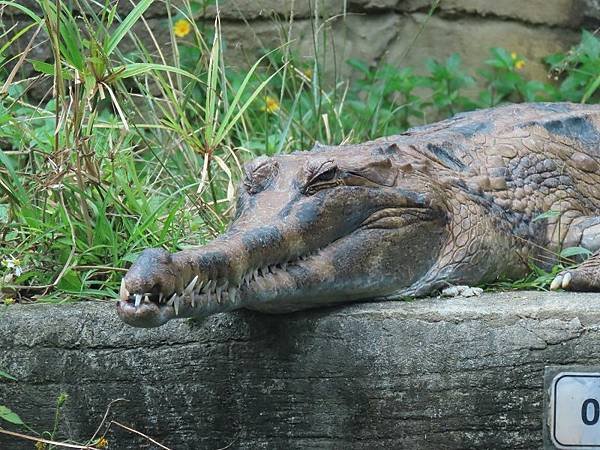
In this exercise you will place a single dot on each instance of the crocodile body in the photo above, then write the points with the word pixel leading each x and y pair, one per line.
pixel 468 200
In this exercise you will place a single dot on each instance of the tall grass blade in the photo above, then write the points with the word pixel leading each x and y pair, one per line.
pixel 126 25
pixel 592 88
pixel 211 91
pixel 134 69
pixel 13 188
pixel 24 10
pixel 226 126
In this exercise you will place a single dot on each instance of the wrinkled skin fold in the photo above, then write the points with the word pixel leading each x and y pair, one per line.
pixel 450 203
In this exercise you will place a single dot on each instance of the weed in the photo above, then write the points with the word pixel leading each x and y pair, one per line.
pixel 578 70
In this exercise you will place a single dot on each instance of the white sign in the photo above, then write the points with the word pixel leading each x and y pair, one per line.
pixel 575 410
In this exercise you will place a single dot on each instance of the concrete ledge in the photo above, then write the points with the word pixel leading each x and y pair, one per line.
pixel 432 373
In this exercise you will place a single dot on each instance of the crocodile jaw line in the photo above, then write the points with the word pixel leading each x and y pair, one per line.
pixel 200 298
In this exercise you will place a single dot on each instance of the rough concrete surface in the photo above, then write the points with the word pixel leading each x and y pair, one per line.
pixel 431 373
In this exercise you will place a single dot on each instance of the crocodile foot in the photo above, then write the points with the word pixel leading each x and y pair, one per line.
pixel 586 277
pixel 462 291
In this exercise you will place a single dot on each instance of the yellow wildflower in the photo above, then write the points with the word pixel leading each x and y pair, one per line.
pixel 271 105
pixel 182 28
pixel 517 62
pixel 308 73
pixel 102 442
pixel 39 445
pixel 9 301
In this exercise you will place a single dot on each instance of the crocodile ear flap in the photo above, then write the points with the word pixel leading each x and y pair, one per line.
pixel 381 172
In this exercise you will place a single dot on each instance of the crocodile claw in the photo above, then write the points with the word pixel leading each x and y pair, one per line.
pixel 561 281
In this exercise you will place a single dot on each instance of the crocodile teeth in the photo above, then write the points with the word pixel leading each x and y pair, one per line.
pixel 138 299
pixel 123 292
pixel 146 299
pixel 261 283
pixel 193 300
pixel 255 274
pixel 199 287
pixel 161 297
pixel 221 291
pixel 188 292
pixel 172 300
pixel 176 304
pixel 232 292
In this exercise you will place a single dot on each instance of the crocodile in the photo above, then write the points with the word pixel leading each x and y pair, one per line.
pixel 469 200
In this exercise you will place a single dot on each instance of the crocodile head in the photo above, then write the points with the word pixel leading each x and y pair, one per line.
pixel 311 229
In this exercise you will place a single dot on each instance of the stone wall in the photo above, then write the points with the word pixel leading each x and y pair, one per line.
pixel 397 31
pixel 430 373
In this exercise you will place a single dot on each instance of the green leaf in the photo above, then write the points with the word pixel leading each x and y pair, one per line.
pixel 70 282
pixel 574 251
pixel 590 44
pixel 5 375
pixel 554 59
pixel 43 67
pixel 48 69
pixel 359 65
pixel 453 62
pixel 501 55
pixel 10 416
pixel 126 25
pixel 592 87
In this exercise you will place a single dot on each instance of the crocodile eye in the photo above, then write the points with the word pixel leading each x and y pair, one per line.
pixel 328 175
pixel 322 177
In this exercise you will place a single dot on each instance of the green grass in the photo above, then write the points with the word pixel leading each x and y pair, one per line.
pixel 144 149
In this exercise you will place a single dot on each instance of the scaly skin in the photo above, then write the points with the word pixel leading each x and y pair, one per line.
pixel 449 203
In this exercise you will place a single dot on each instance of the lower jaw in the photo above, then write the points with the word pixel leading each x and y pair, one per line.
pixel 145 316
pixel 315 295
pixel 275 300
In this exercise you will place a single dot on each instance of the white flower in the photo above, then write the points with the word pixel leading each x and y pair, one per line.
pixel 14 264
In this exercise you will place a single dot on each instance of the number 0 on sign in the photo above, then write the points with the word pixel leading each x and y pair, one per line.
pixel 575 410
